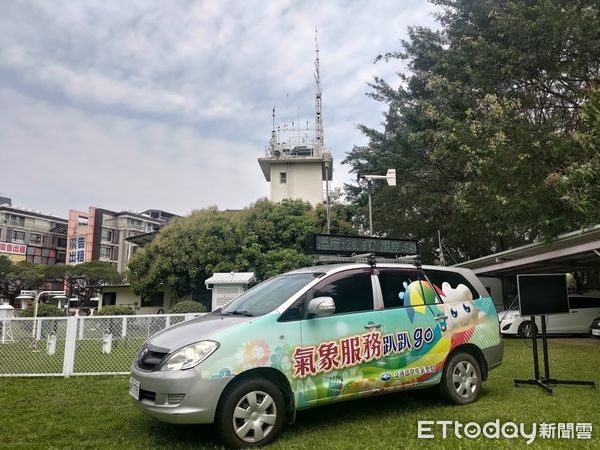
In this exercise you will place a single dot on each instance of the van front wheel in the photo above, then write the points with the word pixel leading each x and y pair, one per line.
pixel 461 379
pixel 251 414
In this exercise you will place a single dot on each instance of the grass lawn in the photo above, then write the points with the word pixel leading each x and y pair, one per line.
pixel 96 412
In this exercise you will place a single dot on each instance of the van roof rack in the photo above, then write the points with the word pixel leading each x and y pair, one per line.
pixel 368 258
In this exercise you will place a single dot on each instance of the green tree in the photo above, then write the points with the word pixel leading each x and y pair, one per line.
pixel 15 277
pixel 274 262
pixel 6 267
pixel 188 250
pixel 342 218
pixel 578 181
pixel 280 225
pixel 265 238
pixel 487 130
pixel 84 281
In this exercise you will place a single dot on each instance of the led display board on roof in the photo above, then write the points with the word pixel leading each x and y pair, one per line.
pixel 348 245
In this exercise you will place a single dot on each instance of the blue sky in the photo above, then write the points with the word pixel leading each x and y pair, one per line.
pixel 170 102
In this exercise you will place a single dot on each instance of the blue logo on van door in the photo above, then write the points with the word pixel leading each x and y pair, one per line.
pixel 385 376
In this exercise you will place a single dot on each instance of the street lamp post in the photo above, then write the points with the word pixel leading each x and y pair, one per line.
pixel 327 161
pixel 390 177
pixel 35 295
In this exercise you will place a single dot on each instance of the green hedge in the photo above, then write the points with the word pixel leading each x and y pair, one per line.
pixel 44 310
pixel 187 306
pixel 113 310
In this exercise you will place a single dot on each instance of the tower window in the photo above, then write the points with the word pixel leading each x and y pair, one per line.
pixel 282 177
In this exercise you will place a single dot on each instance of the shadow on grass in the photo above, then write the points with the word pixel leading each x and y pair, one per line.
pixel 352 412
pixel 379 405
pixel 308 421
pixel 179 436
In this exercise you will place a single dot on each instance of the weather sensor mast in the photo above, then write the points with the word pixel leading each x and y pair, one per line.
pixel 296 161
pixel 319 143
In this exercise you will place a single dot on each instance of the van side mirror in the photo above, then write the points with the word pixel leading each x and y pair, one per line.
pixel 321 307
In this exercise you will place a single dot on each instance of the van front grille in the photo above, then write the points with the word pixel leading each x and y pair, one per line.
pixel 149 360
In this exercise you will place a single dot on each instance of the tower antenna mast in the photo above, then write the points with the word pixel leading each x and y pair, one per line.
pixel 318 102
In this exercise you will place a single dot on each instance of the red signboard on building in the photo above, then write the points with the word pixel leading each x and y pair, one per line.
pixel 13 249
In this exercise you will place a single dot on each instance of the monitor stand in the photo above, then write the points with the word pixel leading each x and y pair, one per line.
pixel 546 381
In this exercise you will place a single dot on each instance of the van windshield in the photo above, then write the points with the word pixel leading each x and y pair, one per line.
pixel 268 295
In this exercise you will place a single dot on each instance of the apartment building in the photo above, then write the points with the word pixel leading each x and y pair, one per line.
pixel 100 234
pixel 28 235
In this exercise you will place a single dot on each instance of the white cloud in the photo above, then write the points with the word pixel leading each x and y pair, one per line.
pixel 167 100
pixel 60 158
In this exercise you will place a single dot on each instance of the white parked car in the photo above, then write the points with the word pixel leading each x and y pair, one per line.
pixel 583 309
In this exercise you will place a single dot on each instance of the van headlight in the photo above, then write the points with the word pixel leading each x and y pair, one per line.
pixel 190 356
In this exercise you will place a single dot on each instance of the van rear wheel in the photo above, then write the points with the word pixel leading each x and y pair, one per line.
pixel 461 379
pixel 251 414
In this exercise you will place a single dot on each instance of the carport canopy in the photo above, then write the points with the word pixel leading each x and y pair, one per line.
pixel 575 251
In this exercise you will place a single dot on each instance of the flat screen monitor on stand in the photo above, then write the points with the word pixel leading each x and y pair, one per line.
pixel 542 295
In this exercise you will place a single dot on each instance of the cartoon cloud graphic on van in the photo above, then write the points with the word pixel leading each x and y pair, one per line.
pixel 460 293
pixel 462 314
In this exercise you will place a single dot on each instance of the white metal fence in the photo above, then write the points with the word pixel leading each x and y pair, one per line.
pixel 65 346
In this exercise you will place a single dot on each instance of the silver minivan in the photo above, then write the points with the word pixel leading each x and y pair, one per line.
pixel 319 335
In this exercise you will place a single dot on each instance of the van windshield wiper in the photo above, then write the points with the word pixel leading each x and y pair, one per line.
pixel 237 313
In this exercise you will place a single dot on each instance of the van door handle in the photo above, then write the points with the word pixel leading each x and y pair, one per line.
pixel 372 325
pixel 441 317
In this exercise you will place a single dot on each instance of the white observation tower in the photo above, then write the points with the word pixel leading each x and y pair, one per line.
pixel 296 161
